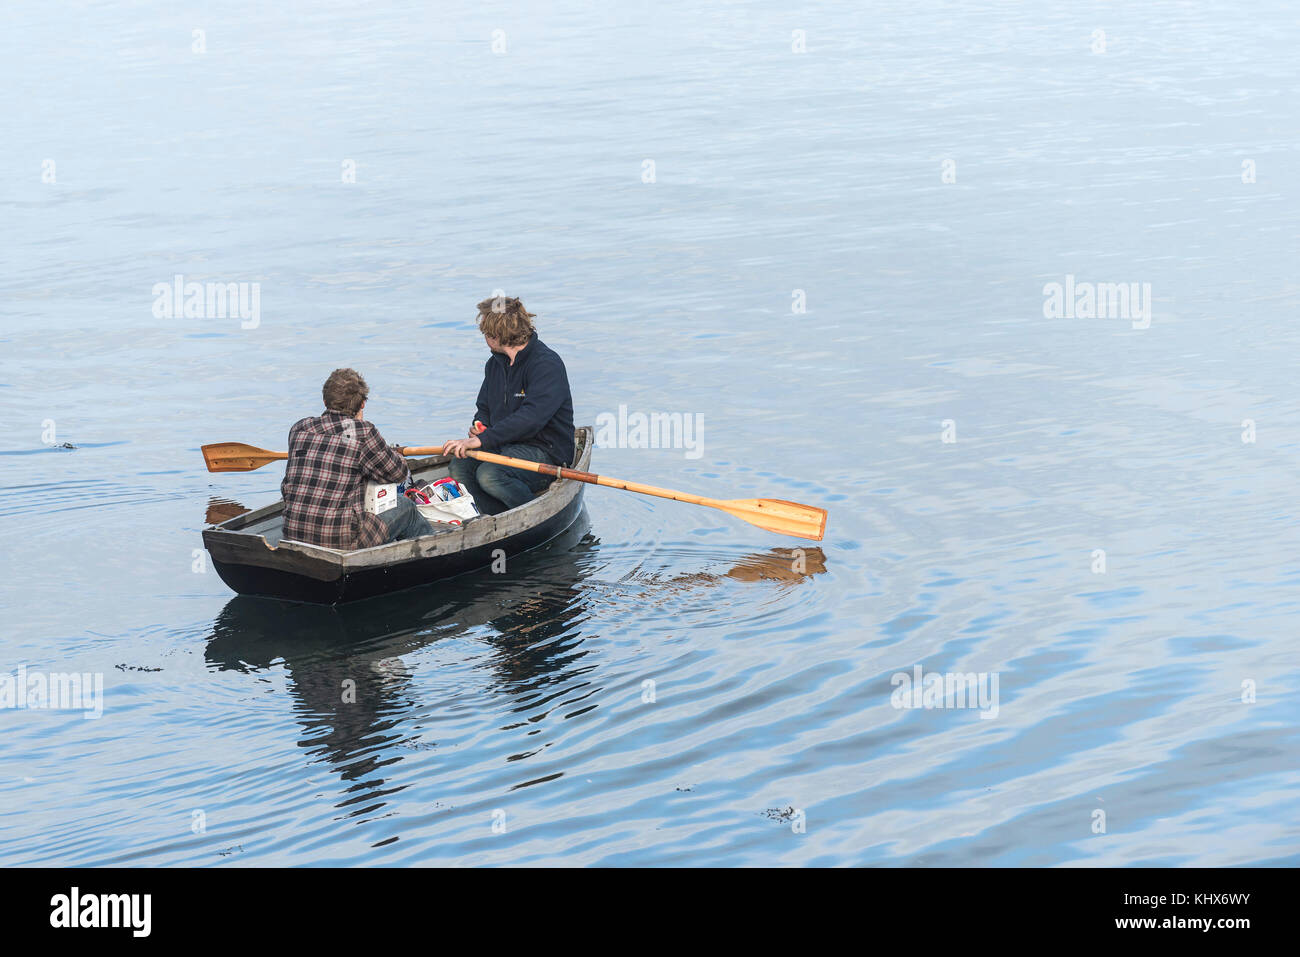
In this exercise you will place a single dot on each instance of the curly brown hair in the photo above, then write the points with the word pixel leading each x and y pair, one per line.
pixel 505 320
pixel 345 392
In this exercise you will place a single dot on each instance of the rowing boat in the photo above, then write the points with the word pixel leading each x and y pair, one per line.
pixel 251 557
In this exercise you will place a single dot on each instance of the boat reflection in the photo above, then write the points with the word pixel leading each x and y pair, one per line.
pixel 222 510
pixel 357 702
pixel 777 564
pixel 343 663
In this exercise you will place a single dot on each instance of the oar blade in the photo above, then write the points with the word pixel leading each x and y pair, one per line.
pixel 237 457
pixel 780 516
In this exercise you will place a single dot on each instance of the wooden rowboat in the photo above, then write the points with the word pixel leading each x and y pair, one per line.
pixel 251 558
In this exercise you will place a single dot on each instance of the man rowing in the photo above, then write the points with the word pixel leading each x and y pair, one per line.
pixel 331 458
pixel 524 406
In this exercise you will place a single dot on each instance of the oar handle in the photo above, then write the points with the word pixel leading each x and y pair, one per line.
pixel 543 468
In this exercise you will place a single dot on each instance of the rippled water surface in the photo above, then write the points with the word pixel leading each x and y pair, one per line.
pixel 1112 531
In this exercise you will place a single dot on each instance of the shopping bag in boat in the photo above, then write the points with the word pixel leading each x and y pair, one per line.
pixel 445 501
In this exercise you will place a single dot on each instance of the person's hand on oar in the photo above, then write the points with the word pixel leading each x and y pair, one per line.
pixel 458 447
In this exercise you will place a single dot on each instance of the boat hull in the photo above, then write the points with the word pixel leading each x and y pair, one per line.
pixel 251 561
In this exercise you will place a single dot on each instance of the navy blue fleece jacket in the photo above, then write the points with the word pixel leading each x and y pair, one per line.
pixel 527 402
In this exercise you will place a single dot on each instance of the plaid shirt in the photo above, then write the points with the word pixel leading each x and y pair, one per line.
pixel 331 458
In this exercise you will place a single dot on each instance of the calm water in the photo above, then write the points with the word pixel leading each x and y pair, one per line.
pixel 921 172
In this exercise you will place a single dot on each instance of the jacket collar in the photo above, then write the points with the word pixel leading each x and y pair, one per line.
pixel 526 353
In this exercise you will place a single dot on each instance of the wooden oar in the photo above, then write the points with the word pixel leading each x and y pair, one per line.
pixel 238 457
pixel 773 514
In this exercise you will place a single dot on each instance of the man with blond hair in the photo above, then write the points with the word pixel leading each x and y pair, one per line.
pixel 331 458
pixel 524 405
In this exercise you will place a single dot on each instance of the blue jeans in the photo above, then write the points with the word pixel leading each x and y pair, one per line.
pixel 497 488
pixel 405 521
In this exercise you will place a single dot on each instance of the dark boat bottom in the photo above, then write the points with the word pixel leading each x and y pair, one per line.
pixel 372 582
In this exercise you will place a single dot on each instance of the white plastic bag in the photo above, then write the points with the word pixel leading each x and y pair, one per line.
pixel 457 511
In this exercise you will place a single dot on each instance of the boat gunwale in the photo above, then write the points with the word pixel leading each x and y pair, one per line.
pixel 535 512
